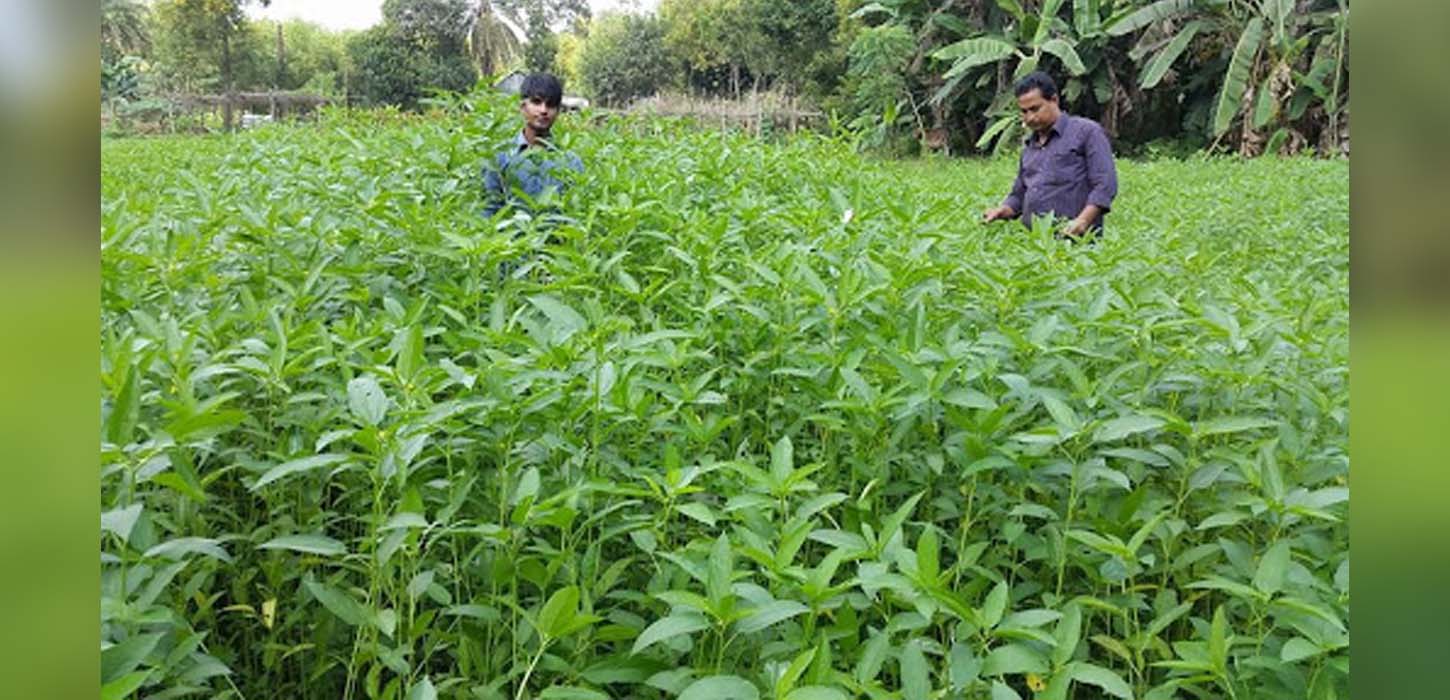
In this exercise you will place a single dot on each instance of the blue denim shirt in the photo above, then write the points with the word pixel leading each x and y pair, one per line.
pixel 515 169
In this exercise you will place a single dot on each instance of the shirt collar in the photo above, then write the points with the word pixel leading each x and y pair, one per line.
pixel 521 143
pixel 1058 127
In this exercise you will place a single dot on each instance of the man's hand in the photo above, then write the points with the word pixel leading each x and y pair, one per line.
pixel 998 213
pixel 1075 228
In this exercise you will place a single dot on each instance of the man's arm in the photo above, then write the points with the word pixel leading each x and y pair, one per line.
pixel 1011 207
pixel 1102 173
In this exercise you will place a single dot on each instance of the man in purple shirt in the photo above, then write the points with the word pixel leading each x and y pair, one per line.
pixel 1066 170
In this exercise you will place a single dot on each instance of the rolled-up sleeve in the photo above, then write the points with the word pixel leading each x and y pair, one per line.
pixel 1019 191
pixel 1102 174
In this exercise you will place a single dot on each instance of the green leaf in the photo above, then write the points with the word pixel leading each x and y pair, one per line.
pixel 565 320
pixel 1266 107
pixel 558 612
pixel 769 614
pixel 1140 537
pixel 1311 609
pixel 1086 18
pixel 1067 635
pixel 182 546
pixel 1109 681
pixel 669 628
pixel 782 460
pixel 1045 19
pixel 1100 543
pixel 720 571
pixel 298 466
pixel 720 688
pixel 528 486
pixel 572 693
pixel 121 659
pixel 816 692
pixel 1161 622
pixel 405 521
pixel 423 690
pixel 995 605
pixel 915 674
pixel 1218 640
pixel 699 512
pixel 1119 428
pixel 792 673
pixel 1002 691
pixel 1231 424
pixel 1269 577
pixel 1277 11
pixel 125 410
pixel 1144 16
pixel 1065 53
pixel 569 692
pixel 366 400
pixel 970 53
pixel 337 602
pixel 1236 78
pixel 1061 413
pixel 1002 124
pixel 872 8
pixel 121 521
pixel 1013 658
pixel 307 544
pixel 963 667
pixel 928 567
pixel 891 523
pixel 868 666
pixel 1222 520
pixel 1297 649
pixel 124 686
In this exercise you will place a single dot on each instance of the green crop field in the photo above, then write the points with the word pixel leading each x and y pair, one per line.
pixel 741 419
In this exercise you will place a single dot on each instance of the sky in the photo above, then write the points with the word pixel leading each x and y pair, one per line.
pixel 361 14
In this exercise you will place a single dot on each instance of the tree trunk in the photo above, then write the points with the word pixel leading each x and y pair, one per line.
pixel 227 81
pixel 281 72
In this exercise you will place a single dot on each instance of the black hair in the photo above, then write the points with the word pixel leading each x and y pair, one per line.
pixel 1037 80
pixel 543 86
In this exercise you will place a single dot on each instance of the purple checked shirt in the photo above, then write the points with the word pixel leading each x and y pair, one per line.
pixel 1073 169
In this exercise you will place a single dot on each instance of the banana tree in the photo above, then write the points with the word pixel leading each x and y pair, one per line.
pixel 1265 80
pixel 1022 42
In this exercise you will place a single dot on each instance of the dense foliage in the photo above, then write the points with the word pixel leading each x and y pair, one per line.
pixel 739 420
pixel 625 59
pixel 1249 76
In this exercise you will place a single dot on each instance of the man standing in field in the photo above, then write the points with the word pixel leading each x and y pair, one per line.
pixel 528 166
pixel 1066 169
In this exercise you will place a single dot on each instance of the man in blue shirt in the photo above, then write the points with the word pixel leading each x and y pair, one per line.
pixel 529 166
pixel 1066 170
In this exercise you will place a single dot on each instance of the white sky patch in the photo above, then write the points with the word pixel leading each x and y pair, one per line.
pixel 361 14
pixel 332 14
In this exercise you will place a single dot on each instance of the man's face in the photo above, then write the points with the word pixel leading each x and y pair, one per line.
pixel 539 115
pixel 1038 113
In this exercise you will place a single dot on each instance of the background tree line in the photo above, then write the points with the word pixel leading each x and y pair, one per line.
pixel 1250 76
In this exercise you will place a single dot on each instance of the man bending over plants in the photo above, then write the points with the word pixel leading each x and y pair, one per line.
pixel 1066 169
pixel 528 167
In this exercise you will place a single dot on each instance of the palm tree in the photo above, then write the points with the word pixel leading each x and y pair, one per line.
pixel 493 43
pixel 123 29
